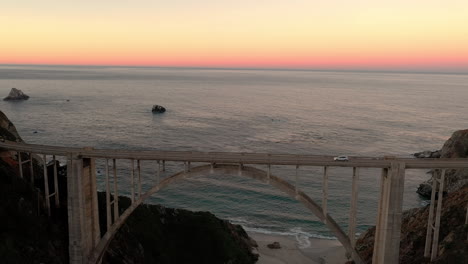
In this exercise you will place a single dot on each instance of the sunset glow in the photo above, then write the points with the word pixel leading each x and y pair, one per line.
pixel 430 35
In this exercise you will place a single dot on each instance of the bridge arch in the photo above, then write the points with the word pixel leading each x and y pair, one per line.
pixel 248 171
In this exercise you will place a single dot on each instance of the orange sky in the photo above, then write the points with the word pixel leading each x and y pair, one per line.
pixel 345 34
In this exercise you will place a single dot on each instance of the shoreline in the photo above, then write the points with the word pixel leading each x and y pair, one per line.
pixel 320 251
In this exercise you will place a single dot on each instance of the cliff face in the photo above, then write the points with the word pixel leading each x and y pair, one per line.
pixel 453 244
pixel 7 129
pixel 27 235
pixel 455 147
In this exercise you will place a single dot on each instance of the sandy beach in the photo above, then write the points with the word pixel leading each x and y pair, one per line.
pixel 320 251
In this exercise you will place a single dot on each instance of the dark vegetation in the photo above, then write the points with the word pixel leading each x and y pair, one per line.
pixel 181 237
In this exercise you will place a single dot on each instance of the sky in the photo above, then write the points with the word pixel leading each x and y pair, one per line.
pixel 318 34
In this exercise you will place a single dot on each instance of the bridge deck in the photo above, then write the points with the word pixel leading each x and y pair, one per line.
pixel 237 157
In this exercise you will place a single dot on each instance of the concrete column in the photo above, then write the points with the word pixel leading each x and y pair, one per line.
pixel 83 216
pixel 378 237
pixel 388 229
pixel 325 193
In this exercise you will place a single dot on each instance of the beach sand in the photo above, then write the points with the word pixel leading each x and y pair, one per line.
pixel 320 250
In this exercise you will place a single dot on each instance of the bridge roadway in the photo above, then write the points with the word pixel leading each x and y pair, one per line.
pixel 238 157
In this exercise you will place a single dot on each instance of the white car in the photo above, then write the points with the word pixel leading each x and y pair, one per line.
pixel 341 158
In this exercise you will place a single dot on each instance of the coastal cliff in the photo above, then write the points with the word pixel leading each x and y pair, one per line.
pixel 152 234
pixel 8 130
pixel 455 147
pixel 453 244
pixel 155 234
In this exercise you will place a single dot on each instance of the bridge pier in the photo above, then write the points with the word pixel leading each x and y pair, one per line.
pixel 388 227
pixel 83 215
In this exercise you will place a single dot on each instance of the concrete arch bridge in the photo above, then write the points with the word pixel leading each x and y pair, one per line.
pixel 87 244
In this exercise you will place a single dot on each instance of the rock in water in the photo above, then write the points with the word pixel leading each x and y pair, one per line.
pixel 16 94
pixel 427 154
pixel 425 189
pixel 274 245
pixel 158 109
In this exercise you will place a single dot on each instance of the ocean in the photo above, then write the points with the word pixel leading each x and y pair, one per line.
pixel 245 110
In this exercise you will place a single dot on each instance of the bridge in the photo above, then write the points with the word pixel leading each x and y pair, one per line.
pixel 88 245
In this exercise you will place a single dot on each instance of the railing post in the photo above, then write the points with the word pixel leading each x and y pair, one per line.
pixel 388 229
pixel 132 174
pixel 269 172
pixel 31 168
pixel 46 186
pixel 20 164
pixel 108 200
pixel 158 175
pixel 56 187
pixel 296 180
pixel 116 195
pixel 139 178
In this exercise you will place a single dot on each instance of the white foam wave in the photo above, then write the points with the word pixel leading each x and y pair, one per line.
pixel 425 202
pixel 301 236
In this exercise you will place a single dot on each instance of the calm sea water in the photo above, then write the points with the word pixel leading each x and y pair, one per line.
pixel 303 112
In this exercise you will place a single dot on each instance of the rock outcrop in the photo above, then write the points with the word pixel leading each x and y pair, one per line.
pixel 274 245
pixel 453 246
pixel 158 109
pixel 156 234
pixel 8 130
pixel 15 95
pixel 455 147
pixel 427 154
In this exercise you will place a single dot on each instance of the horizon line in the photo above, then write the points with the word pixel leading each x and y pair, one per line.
pixel 357 69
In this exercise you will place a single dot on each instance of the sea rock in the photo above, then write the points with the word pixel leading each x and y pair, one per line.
pixel 455 147
pixel 427 154
pixel 425 189
pixel 274 245
pixel 15 95
pixel 158 109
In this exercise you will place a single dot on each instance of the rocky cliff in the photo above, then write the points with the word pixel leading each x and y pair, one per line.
pixel 453 243
pixel 7 129
pixel 455 147
pixel 153 234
